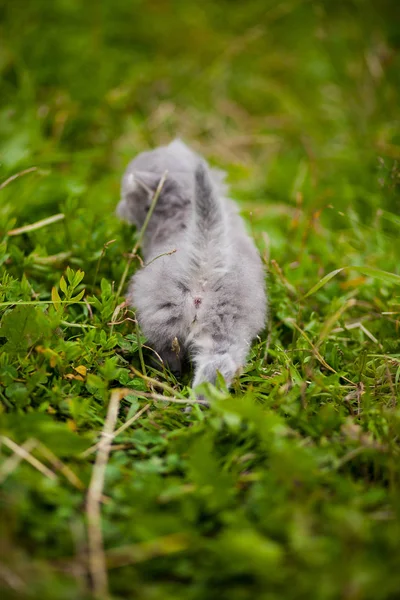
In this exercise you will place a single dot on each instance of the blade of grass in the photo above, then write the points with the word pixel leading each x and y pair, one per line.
pixel 17 175
pixel 127 424
pixel 141 234
pixel 333 319
pixel 60 466
pixel 159 397
pixel 159 256
pixel 316 353
pixel 14 460
pixel 37 225
pixel 23 453
pixel 140 350
pixel 156 383
pixel 97 562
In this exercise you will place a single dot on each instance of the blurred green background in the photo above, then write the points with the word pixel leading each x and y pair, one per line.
pixel 293 490
pixel 288 95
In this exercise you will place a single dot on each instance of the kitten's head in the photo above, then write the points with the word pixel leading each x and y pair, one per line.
pixel 143 176
pixel 139 189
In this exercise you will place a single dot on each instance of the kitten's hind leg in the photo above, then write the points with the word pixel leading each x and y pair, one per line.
pixel 208 364
pixel 172 361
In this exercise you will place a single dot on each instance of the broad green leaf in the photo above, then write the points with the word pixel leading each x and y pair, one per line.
pixel 8 374
pixel 78 297
pixel 134 406
pixel 23 327
pixel 79 275
pixel 70 275
pixel 63 285
pixel 18 394
pixel 56 299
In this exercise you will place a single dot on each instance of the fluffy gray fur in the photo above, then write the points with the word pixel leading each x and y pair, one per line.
pixel 207 300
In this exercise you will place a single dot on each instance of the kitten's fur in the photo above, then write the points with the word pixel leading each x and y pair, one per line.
pixel 209 294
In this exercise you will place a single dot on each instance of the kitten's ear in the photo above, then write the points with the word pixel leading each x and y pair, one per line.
pixel 137 190
pixel 139 183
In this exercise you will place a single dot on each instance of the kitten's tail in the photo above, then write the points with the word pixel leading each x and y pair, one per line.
pixel 208 214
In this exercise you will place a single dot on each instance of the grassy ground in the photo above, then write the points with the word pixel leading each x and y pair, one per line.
pixel 289 487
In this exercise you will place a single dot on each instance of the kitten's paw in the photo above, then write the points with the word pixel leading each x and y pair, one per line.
pixel 208 366
pixel 172 361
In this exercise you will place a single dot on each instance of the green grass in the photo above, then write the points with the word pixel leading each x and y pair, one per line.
pixel 289 487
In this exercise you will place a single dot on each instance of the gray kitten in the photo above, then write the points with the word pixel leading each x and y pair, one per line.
pixel 207 300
